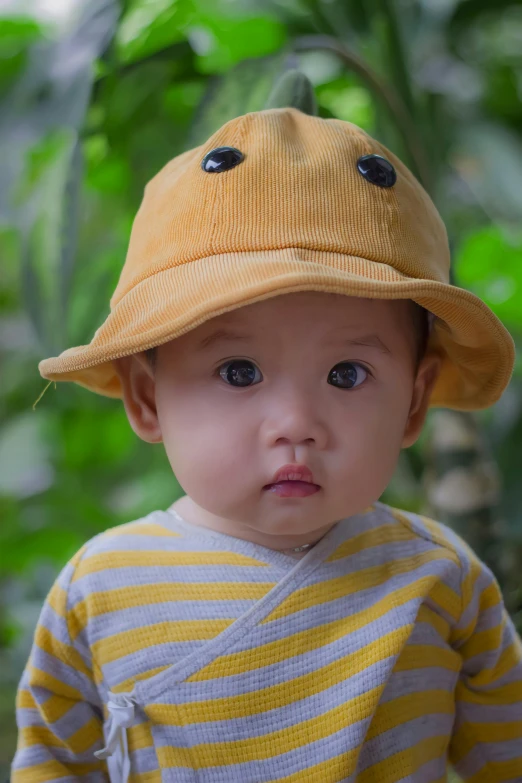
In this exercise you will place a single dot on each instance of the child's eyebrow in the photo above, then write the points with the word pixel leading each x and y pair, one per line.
pixel 369 341
pixel 221 335
pixel 224 335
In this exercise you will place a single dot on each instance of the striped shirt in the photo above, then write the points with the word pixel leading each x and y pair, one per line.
pixel 185 655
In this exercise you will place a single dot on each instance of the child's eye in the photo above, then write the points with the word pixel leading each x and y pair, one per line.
pixel 242 372
pixel 348 375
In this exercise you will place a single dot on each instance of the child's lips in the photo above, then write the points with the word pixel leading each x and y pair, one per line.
pixel 296 489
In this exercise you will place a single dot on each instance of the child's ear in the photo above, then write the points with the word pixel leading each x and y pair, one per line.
pixel 427 375
pixel 139 397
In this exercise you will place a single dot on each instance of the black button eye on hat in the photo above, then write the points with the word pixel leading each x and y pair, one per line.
pixel 221 159
pixel 377 170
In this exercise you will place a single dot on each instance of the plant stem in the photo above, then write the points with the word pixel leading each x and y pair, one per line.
pixel 385 92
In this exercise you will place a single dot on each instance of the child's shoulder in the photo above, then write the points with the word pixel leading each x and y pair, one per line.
pixel 136 532
pixel 152 525
pixel 435 532
pixel 141 542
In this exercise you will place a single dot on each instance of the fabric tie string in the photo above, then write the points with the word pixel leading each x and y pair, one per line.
pixel 121 717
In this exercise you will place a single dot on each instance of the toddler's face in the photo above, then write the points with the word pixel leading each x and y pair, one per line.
pixel 319 379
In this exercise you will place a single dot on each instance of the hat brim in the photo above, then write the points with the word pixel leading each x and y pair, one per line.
pixel 477 351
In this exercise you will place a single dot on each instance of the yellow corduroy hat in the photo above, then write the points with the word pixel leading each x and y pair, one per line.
pixel 278 201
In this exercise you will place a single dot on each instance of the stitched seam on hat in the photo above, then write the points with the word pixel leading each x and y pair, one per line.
pixel 234 141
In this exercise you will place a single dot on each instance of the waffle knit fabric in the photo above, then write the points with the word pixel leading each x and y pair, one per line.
pixel 195 656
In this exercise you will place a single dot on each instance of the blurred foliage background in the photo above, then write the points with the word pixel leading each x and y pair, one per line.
pixel 96 96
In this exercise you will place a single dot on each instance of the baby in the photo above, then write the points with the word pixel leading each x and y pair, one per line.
pixel 282 324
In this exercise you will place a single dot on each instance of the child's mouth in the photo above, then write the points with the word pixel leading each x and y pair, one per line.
pixel 293 489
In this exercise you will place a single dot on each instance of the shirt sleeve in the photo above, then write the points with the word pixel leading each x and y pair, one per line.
pixel 59 713
pixel 486 745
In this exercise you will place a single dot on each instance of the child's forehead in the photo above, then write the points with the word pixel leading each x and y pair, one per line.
pixel 304 315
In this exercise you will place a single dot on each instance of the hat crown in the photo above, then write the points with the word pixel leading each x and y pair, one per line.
pixel 297 186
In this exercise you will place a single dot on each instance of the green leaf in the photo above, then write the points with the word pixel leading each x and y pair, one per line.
pixel 489 263
pixel 222 42
pixel 181 99
pixel 10 632
pixel 40 158
pixel 502 96
pixel 16 35
pixel 148 27
pixel 111 175
pixel 10 255
pixel 114 442
pixel 26 549
pixel 349 101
